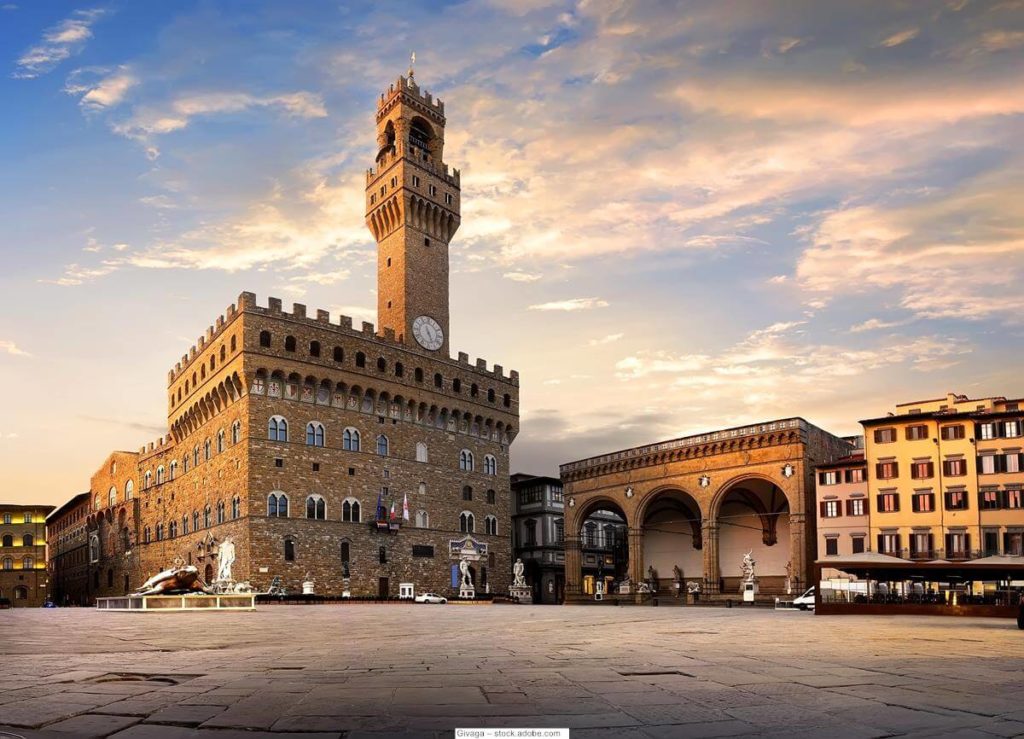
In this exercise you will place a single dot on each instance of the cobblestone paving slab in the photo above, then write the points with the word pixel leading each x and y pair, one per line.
pixel 412 672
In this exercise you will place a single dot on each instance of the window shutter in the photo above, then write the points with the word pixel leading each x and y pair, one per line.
pixel 821 509
pixel 1006 542
pixel 849 508
pixel 821 478
pixel 881 544
pixel 967 545
pixel 899 543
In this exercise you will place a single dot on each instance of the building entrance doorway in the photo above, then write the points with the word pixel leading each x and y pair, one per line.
pixel 382 587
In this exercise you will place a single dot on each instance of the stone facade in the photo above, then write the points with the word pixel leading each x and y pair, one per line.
pixel 67 551
pixel 23 575
pixel 538 534
pixel 699 503
pixel 285 429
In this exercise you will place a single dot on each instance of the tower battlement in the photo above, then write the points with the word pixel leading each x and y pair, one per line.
pixel 406 87
pixel 389 158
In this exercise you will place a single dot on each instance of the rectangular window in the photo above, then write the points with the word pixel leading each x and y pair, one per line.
pixel 923 502
pixel 856 507
pixel 415 181
pixel 889 544
pixel 830 509
pixel 956 500
pixel 422 550
pixel 1011 429
pixel 989 500
pixel 828 478
pixel 885 436
pixel 922 470
pixel 950 433
pixel 954 467
pixel 887 470
pixel 917 432
pixel 831 546
pixel 858 544
pixel 888 503
pixel 986 431
pixel 991 543
pixel 957 546
pixel 1014 499
pixel 987 464
pixel 1012 463
pixel 855 475
pixel 921 545
pixel 1013 544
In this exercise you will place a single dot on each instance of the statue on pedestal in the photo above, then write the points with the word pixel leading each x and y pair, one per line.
pixel 747 566
pixel 518 570
pixel 225 558
pixel 179 579
pixel 466 589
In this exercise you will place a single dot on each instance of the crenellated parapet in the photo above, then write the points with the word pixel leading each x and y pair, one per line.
pixel 390 157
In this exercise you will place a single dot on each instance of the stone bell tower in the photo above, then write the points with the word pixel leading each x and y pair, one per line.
pixel 412 209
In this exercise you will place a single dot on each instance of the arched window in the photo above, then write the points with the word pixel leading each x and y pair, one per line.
pixel 112 495
pixel 236 507
pixel 160 474
pixel 350 510
pixel 467 492
pixel 422 520
pixel 350 440
pixel 316 508
pixel 466 522
pixel 381 365
pixel 474 390
pixel 339 354
pixel 221 512
pixel 457 385
pixel 421 452
pixel 184 525
pixel 223 353
pixel 399 370
pixel 234 345
pixel 418 375
pixel 314 348
pixel 346 552
pixel 147 535
pixel 438 380
pixel 159 532
pixel 507 400
pixel 360 359
pixel 289 343
pixel 236 432
pixel 8 540
pixel 195 520
pixel 206 516
pixel 148 478
pixel 20 592
pixel 28 540
pixel 8 563
pixel 492 497
pixel 289 549
pixel 195 456
pixel 490 395
pixel 277 429
pixel 173 469
pixel 491 525
pixel 314 434
pixel 466 460
pixel 207 450
pixel 97 503
pixel 382 445
pixel 277 505
pixel 172 529
pixel 490 465
pixel 220 441
pixel 423 488
pixel 184 463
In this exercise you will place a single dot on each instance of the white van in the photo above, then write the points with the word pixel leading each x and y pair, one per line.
pixel 805 602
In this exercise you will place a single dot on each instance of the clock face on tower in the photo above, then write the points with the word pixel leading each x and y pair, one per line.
pixel 428 332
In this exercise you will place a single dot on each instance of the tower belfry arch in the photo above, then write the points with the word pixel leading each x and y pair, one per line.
pixel 413 212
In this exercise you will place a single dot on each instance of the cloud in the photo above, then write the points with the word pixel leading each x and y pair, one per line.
pixel 900 37
pixel 162 202
pixel 604 340
pixel 9 347
pixel 573 304
pixel 519 276
pixel 1001 40
pixel 58 43
pixel 164 119
pixel 98 94
pixel 875 324
pixel 75 274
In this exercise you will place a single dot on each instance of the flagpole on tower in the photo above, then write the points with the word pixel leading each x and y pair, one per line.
pixel 412 63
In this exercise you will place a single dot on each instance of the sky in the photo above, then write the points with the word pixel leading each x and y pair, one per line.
pixel 677 216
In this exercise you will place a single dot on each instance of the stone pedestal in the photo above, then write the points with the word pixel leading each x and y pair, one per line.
pixel 521 594
pixel 748 589
pixel 307 587
pixel 467 592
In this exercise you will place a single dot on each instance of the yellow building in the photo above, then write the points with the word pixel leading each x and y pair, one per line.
pixel 23 576
pixel 945 480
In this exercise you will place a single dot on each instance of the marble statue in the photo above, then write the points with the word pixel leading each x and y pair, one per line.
pixel 467 581
pixel 518 570
pixel 225 558
pixel 748 566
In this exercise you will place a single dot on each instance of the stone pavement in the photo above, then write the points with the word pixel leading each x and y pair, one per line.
pixel 421 670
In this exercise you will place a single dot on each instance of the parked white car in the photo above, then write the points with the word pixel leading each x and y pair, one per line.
pixel 805 602
pixel 430 598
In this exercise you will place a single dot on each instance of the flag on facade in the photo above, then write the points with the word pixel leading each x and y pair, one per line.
pixel 392 510
pixel 405 507
pixel 380 505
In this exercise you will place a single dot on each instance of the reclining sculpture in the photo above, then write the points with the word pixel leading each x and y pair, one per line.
pixel 177 580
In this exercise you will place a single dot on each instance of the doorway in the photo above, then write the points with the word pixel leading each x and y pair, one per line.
pixel 382 587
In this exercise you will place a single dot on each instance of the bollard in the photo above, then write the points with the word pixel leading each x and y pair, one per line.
pixel 654 601
pixel 728 603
